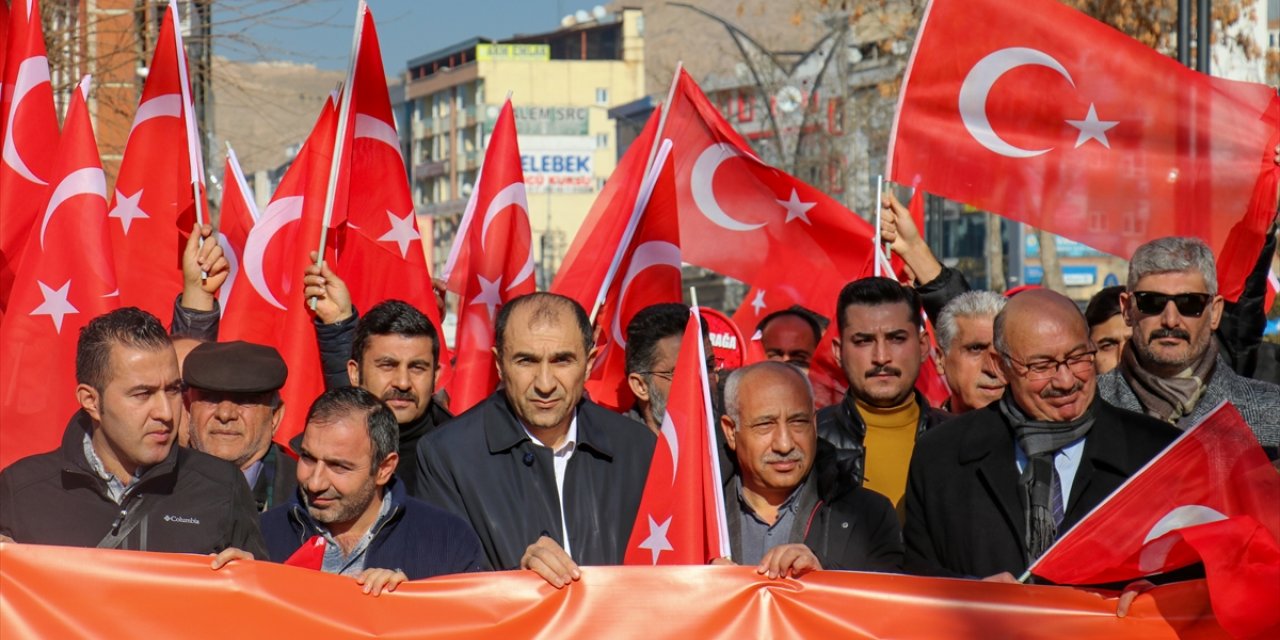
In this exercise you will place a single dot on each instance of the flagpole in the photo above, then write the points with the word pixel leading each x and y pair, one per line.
pixel 879 215
pixel 242 183
pixel 639 208
pixel 642 201
pixel 344 110
pixel 193 136
pixel 722 527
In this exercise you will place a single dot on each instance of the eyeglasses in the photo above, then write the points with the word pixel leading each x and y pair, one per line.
pixel 1048 367
pixel 1190 305
pixel 713 365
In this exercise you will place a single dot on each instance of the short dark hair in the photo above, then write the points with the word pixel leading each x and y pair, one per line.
pixel 650 326
pixel 394 317
pixel 873 292
pixel 809 317
pixel 340 402
pixel 1103 305
pixel 129 327
pixel 546 306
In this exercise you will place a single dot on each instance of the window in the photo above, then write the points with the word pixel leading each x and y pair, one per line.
pixel 602 96
pixel 746 107
pixel 602 140
pixel 835 116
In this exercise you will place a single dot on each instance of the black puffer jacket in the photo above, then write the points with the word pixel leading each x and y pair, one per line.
pixel 843 427
pixel 189 503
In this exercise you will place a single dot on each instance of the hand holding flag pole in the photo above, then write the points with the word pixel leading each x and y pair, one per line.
pixel 344 113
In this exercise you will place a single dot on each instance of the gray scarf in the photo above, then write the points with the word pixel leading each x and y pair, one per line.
pixel 1169 399
pixel 1040 441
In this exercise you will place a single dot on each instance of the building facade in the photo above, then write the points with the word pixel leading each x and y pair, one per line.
pixel 561 85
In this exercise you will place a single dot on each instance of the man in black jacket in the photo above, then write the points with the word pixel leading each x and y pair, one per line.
pixel 118 481
pixel 789 509
pixel 349 497
pixel 393 351
pixel 990 490
pixel 548 479
pixel 233 398
pixel 881 347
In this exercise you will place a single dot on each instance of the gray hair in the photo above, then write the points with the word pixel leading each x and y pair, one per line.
pixel 1166 255
pixel 733 405
pixel 985 304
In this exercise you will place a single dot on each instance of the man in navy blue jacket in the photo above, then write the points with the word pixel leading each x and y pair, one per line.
pixel 348 497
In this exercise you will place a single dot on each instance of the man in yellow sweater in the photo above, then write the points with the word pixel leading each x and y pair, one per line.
pixel 881 347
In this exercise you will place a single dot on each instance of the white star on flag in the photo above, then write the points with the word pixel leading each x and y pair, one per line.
pixel 55 304
pixel 127 209
pixel 1091 128
pixel 401 233
pixel 796 209
pixel 758 304
pixel 657 541
pixel 490 294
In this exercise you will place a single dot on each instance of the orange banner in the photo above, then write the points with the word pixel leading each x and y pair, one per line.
pixel 57 592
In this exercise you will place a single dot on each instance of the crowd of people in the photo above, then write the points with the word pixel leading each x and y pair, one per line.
pixel 1051 409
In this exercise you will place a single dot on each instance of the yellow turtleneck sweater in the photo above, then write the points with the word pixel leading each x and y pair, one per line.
pixel 891 436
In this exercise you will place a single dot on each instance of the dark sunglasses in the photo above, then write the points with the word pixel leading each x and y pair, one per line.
pixel 1190 305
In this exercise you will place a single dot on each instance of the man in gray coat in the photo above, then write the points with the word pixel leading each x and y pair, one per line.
pixel 1172 368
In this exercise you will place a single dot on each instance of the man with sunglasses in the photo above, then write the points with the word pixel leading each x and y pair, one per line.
pixel 1172 368
pixel 990 491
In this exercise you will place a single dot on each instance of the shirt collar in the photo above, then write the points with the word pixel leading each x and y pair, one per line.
pixel 252 472
pixel 114 486
pixel 570 438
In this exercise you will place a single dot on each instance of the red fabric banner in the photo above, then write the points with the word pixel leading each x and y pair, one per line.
pixel 168 595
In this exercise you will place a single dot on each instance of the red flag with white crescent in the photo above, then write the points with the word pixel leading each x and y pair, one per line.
pixel 1213 497
pixel 266 304
pixel 681 518
pixel 237 215
pixel 28 136
pixel 648 274
pixel 582 272
pixel 493 265
pixel 66 278
pixel 382 253
pixel 751 219
pixel 1019 113
pixel 153 205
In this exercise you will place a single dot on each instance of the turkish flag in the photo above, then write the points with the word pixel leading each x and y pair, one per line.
pixel 154 205
pixel 381 253
pixel 237 216
pixel 28 135
pixel 582 272
pixel 681 518
pixel 648 274
pixel 66 278
pixel 1212 496
pixel 266 304
pixel 1047 116
pixel 753 222
pixel 492 262
pixel 310 555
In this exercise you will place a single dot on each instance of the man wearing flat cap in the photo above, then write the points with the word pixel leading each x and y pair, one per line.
pixel 233 395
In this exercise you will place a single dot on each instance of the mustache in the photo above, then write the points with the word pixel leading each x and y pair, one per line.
pixel 796 455
pixel 884 369
pixel 1169 333
pixel 397 394
pixel 326 495
pixel 1053 392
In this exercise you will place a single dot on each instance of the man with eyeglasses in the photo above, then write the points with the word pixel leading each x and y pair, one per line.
pixel 653 340
pixel 233 396
pixel 990 491
pixel 1172 369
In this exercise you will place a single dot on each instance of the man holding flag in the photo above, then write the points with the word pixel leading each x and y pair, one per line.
pixel 790 509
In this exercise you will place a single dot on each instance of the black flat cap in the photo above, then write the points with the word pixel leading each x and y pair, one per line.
pixel 237 367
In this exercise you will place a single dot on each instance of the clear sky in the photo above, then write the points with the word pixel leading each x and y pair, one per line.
pixel 319 31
